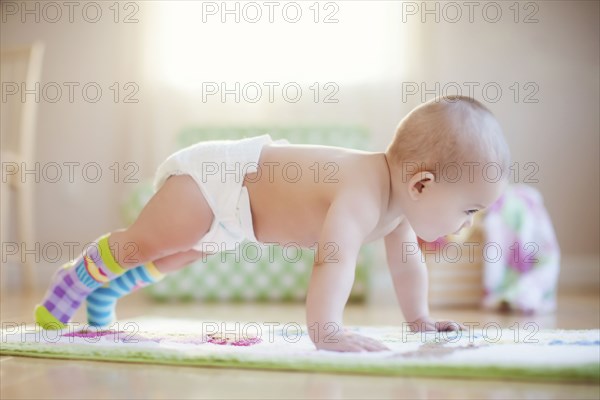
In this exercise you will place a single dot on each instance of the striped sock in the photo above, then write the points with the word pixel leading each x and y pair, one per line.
pixel 73 282
pixel 101 303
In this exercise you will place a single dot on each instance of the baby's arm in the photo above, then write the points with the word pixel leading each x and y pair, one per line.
pixel 332 277
pixel 409 276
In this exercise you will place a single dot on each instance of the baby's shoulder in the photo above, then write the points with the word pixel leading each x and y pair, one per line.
pixel 359 198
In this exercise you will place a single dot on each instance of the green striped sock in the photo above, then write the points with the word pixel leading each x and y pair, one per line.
pixel 102 302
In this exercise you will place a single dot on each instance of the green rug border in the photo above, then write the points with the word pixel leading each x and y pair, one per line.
pixel 583 374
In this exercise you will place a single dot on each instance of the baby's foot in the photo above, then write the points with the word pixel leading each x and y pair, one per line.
pixel 73 282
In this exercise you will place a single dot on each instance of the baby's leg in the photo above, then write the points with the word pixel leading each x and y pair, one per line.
pixel 174 220
pixel 101 303
pixel 177 261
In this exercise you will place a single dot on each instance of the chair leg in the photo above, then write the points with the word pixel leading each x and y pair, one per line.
pixel 26 232
pixel 5 198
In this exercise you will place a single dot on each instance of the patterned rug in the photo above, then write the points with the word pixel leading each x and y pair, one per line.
pixel 491 353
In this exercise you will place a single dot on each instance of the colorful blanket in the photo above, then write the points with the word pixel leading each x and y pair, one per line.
pixel 484 351
pixel 522 266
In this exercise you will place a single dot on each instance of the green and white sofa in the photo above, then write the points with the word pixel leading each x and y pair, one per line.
pixel 277 274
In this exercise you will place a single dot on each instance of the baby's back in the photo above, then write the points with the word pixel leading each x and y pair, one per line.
pixel 296 184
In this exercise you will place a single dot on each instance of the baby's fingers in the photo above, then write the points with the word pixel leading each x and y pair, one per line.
pixel 422 326
pixel 376 347
pixel 371 344
pixel 449 326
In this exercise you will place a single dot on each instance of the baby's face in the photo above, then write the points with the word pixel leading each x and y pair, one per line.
pixel 447 207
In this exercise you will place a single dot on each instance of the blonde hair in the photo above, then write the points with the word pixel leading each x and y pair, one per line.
pixel 449 129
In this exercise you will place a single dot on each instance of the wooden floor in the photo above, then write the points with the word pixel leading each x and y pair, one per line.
pixel 31 378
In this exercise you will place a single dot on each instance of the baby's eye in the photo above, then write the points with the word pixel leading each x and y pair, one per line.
pixel 469 212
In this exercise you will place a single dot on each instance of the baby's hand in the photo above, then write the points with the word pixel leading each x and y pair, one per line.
pixel 345 341
pixel 429 324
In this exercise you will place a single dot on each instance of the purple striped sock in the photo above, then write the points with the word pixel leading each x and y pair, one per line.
pixel 73 282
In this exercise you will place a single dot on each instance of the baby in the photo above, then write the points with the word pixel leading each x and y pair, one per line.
pixel 447 160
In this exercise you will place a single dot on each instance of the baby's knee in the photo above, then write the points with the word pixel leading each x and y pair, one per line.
pixel 152 247
pixel 130 247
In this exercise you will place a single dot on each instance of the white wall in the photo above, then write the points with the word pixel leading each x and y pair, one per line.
pixel 560 133
pixel 81 131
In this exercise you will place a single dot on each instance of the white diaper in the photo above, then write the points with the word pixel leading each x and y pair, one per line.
pixel 219 168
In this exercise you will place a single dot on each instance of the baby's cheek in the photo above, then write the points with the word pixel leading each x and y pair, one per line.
pixel 449 224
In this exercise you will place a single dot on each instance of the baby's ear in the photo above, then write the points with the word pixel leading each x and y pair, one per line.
pixel 419 183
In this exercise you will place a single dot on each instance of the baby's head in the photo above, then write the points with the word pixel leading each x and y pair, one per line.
pixel 448 160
